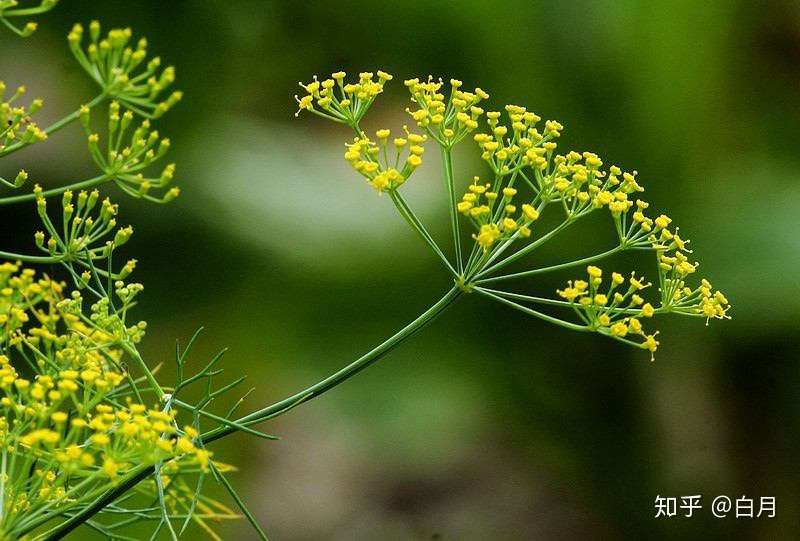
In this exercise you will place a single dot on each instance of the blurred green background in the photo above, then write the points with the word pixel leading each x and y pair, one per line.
pixel 487 425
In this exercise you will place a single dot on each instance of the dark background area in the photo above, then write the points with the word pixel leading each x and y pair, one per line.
pixel 488 424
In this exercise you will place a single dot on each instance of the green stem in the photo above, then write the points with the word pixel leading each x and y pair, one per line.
pixel 26 12
pixel 535 313
pixel 565 304
pixel 235 495
pixel 148 374
pixel 528 298
pixel 55 126
pixel 140 473
pixel 417 225
pixel 57 191
pixel 40 259
pixel 552 268
pixel 222 420
pixel 447 160
pixel 343 374
pixel 412 219
pixel 10 26
pixel 524 251
pixel 3 483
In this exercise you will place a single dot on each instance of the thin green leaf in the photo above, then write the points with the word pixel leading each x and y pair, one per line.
pixel 239 502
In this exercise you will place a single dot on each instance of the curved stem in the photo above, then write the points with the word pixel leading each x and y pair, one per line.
pixel 27 12
pixel 140 473
pixel 342 375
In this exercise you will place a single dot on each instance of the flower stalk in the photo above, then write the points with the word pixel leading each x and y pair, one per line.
pixel 449 181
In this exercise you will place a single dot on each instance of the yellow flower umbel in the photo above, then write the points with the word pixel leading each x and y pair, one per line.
pixel 615 311
pixel 16 127
pixel 127 160
pixel 70 418
pixel 618 310
pixel 506 149
pixel 447 119
pixel 385 165
pixel 341 101
pixel 123 71
pixel 528 178
pixel 81 411
pixel 89 230
pixel 495 215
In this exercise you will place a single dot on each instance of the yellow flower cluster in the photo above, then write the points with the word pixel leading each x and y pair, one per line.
pixel 507 150
pixel 381 167
pixel 16 126
pixel 709 303
pixel 703 300
pixel 126 162
pixel 447 119
pixel 528 176
pixel 495 215
pixel 115 66
pixel 86 233
pixel 80 409
pixel 341 101
pixel 579 182
pixel 673 268
pixel 20 295
pixel 68 418
pixel 579 176
pixel 614 311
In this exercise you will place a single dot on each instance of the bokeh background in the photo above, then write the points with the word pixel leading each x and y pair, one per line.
pixel 487 425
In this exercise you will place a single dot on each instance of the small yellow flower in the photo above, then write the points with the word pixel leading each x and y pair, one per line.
pixel 594 272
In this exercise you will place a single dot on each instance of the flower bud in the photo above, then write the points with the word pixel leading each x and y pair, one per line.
pixel 22 176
